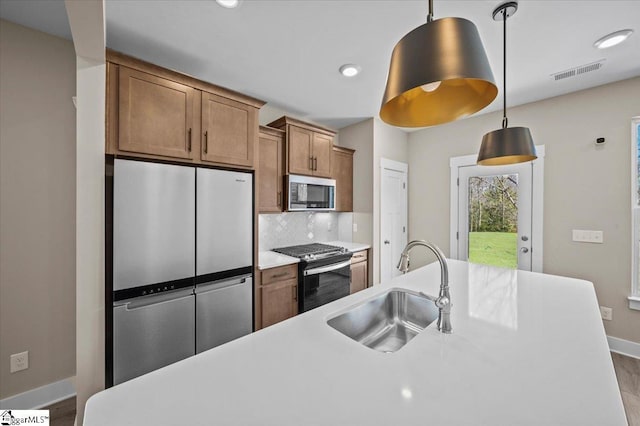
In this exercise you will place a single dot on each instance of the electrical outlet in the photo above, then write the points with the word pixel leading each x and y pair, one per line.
pixel 19 361
pixel 355 227
pixel 606 313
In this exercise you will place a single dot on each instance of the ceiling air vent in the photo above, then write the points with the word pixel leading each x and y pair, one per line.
pixel 582 69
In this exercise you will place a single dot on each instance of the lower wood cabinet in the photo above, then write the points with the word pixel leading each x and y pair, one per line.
pixel 279 294
pixel 359 271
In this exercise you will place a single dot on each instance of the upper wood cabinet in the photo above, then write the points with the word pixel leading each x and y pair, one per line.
pixel 270 167
pixel 153 112
pixel 228 130
pixel 156 116
pixel 322 147
pixel 308 147
pixel 342 172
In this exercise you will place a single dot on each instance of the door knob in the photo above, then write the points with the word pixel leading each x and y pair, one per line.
pixel 386 241
pixel 524 250
pixel 524 238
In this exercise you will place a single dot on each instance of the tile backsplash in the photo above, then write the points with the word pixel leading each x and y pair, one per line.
pixel 288 229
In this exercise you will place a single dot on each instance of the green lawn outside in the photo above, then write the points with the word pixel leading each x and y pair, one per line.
pixel 494 248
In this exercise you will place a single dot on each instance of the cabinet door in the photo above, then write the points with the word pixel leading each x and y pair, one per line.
pixel 155 115
pixel 299 150
pixel 229 131
pixel 270 173
pixel 358 277
pixel 322 149
pixel 342 166
pixel 279 301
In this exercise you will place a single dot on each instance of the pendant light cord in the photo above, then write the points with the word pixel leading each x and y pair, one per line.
pixel 505 120
pixel 430 15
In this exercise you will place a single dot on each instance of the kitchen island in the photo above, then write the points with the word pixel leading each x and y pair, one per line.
pixel 526 349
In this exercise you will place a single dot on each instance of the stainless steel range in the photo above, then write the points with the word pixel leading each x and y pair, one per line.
pixel 324 273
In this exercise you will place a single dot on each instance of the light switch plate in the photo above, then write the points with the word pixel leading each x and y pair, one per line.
pixel 586 236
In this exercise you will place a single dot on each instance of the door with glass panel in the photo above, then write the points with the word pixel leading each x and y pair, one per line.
pixel 495 215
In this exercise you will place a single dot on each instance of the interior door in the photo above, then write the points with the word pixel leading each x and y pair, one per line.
pixel 393 220
pixel 495 215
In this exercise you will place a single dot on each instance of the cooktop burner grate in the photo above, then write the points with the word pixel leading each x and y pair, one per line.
pixel 308 249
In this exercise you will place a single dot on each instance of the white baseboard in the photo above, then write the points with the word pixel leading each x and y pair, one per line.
pixel 624 347
pixel 40 397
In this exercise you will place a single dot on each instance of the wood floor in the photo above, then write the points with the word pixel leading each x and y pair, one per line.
pixel 627 369
pixel 62 413
pixel 628 373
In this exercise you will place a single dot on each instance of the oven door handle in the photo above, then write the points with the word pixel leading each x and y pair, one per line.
pixel 327 268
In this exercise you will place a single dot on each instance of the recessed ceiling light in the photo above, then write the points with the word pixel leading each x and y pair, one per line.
pixel 229 4
pixel 349 70
pixel 613 39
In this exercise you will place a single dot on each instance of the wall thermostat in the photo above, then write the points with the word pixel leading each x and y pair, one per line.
pixel 600 141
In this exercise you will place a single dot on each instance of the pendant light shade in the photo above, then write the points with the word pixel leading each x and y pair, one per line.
pixel 439 72
pixel 508 145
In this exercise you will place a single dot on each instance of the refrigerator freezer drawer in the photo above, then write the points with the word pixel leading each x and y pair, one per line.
pixel 153 223
pixel 151 332
pixel 225 220
pixel 223 311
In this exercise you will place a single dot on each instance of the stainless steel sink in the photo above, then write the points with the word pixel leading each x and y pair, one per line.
pixel 387 322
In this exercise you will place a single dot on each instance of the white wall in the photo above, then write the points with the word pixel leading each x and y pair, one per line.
pixel 86 19
pixel 586 187
pixel 37 207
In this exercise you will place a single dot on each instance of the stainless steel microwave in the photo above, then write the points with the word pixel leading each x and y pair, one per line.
pixel 306 193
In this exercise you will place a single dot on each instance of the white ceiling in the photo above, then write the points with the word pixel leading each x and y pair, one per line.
pixel 288 52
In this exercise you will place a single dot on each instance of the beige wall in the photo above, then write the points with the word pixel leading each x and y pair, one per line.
pixel 359 136
pixel 586 187
pixel 37 207
pixel 372 139
pixel 390 143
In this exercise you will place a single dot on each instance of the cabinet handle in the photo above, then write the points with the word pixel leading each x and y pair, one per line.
pixel 282 274
pixel 315 163
pixel 206 140
pixel 295 293
pixel 189 144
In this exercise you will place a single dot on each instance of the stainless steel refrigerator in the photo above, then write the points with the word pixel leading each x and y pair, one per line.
pixel 182 263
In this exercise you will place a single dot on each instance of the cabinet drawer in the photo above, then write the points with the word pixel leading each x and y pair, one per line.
pixel 359 256
pixel 281 273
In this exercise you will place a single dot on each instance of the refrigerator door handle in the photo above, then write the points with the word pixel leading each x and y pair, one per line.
pixel 218 285
pixel 145 301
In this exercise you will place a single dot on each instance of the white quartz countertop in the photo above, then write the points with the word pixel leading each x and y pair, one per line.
pixel 526 349
pixel 352 247
pixel 271 259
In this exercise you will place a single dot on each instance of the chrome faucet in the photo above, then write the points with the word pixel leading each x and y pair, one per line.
pixel 443 302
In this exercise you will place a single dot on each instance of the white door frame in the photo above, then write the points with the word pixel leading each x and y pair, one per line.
pixel 398 166
pixel 536 204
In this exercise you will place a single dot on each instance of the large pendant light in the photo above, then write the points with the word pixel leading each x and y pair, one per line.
pixel 439 72
pixel 508 145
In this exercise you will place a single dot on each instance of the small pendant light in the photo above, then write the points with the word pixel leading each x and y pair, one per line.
pixel 439 72
pixel 508 145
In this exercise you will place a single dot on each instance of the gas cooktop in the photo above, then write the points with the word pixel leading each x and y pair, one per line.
pixel 311 251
